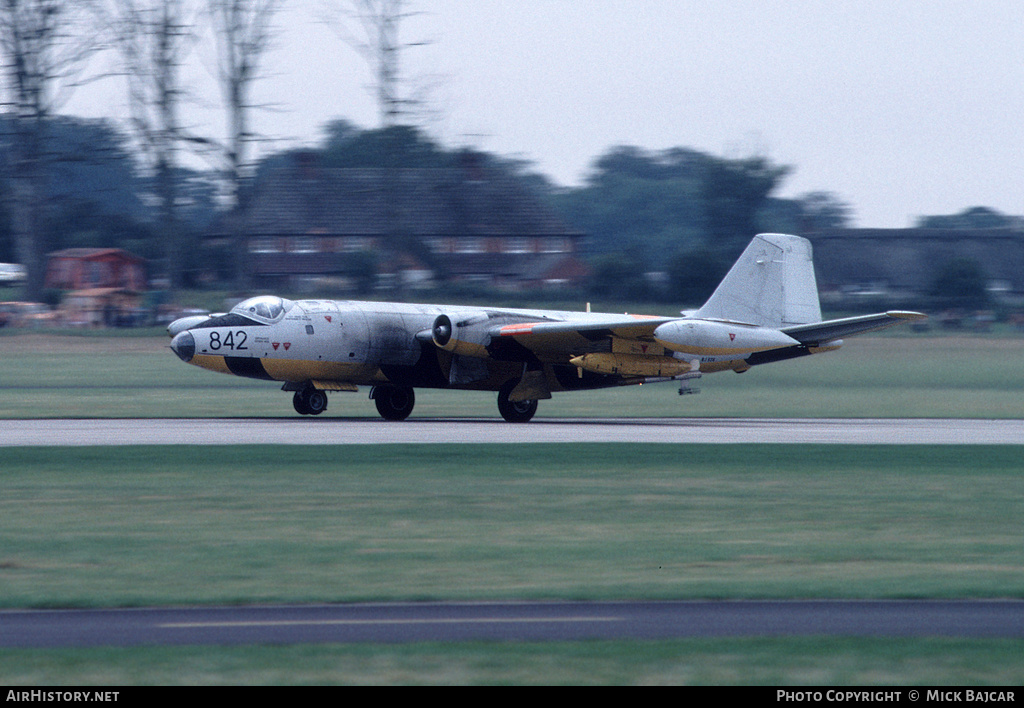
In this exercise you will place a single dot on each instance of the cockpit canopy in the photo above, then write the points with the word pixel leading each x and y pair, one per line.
pixel 263 308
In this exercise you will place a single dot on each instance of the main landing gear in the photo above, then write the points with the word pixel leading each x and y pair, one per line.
pixel 396 402
pixel 310 401
pixel 393 402
pixel 518 411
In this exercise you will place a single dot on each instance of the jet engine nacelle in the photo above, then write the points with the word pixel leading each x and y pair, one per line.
pixel 710 338
pixel 466 334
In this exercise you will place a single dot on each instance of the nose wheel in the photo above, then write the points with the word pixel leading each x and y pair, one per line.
pixel 310 401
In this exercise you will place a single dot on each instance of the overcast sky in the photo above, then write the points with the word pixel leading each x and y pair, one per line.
pixel 900 107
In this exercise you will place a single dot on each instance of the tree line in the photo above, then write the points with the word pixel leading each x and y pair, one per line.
pixel 680 212
pixel 67 181
pixel 639 208
pixel 47 46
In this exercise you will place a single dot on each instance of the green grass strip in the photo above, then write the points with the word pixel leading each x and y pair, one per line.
pixel 158 525
pixel 760 661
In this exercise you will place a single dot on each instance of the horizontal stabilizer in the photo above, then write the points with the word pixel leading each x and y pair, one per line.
pixel 820 332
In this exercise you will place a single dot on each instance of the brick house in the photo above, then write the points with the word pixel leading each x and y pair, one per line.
pixel 89 268
pixel 468 223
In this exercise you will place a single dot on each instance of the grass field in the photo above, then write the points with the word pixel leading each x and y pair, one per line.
pixel 882 376
pixel 814 661
pixel 131 526
pixel 163 525
pixel 159 525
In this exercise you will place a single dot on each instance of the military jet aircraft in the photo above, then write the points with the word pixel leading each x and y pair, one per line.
pixel 765 310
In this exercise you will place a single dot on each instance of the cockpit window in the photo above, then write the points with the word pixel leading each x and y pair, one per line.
pixel 265 308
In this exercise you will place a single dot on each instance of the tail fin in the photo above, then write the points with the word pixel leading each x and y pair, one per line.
pixel 772 285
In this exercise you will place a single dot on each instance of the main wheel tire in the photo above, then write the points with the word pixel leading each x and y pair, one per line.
pixel 517 412
pixel 316 401
pixel 394 403
pixel 299 401
pixel 310 401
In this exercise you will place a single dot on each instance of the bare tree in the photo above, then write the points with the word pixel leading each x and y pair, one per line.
pixel 371 27
pixel 380 20
pixel 153 38
pixel 243 30
pixel 45 46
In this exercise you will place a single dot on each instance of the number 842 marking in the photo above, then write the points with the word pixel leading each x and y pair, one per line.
pixel 231 340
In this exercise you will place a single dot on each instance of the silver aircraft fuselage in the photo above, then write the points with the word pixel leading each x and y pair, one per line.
pixel 765 310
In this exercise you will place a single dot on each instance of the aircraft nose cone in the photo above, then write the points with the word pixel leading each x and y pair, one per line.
pixel 184 345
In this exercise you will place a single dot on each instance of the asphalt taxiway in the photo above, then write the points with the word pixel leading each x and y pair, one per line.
pixel 532 621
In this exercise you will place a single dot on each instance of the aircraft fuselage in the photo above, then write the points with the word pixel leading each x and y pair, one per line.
pixel 765 310
pixel 376 343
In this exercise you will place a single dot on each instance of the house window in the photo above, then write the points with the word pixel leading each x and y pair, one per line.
pixel 470 245
pixel 65 272
pixel 354 244
pixel 555 244
pixel 517 244
pixel 99 274
pixel 305 244
pixel 263 244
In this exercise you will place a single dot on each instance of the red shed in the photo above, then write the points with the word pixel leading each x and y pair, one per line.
pixel 84 268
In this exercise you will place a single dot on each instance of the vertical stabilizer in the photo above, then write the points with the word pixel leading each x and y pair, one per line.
pixel 772 285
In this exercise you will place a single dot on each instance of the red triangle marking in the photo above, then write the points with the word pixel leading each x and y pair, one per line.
pixel 276 345
pixel 327 317
pixel 286 345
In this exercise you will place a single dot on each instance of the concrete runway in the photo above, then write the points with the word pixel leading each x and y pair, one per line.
pixel 353 431
pixel 527 621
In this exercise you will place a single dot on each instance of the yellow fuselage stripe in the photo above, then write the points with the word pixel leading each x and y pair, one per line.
pixel 298 369
pixel 211 362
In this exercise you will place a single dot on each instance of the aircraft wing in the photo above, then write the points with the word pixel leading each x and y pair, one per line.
pixel 820 332
pixel 565 339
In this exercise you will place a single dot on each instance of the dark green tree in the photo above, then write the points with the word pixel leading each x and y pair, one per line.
pixel 694 274
pixel 822 210
pixel 95 195
pixel 396 146
pixel 733 192
pixel 973 218
pixel 639 201
pixel 45 45
pixel 618 277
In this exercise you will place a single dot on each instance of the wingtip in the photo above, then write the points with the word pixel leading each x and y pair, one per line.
pixel 906 315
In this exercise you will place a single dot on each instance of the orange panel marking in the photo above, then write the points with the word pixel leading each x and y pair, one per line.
pixel 524 328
